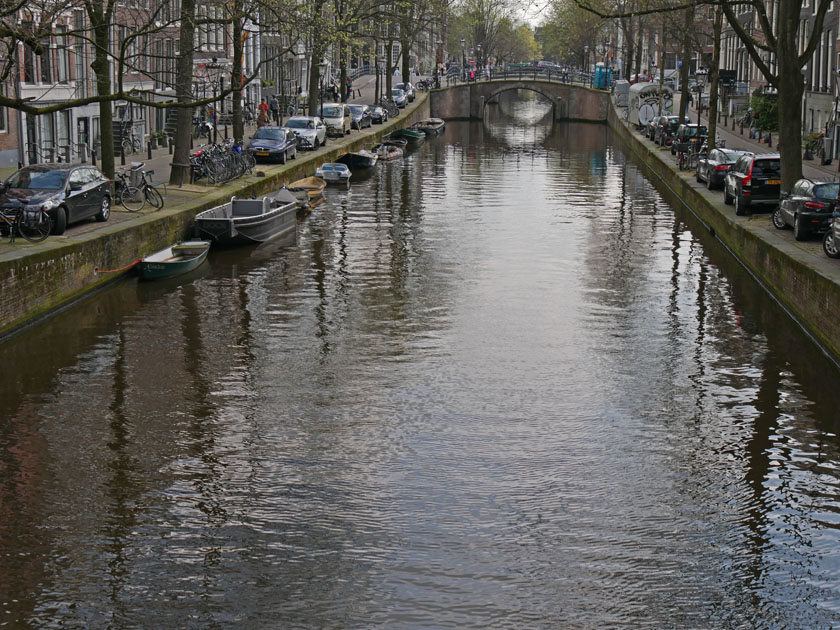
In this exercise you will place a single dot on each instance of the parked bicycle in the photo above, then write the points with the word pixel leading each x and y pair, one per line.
pixel 33 224
pixel 126 193
pixel 389 105
pixel 130 140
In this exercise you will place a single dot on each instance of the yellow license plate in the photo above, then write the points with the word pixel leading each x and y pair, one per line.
pixel 262 153
pixel 774 182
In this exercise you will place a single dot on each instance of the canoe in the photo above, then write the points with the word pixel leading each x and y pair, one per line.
pixel 334 173
pixel 412 136
pixel 173 260
pixel 430 126
pixel 249 221
pixel 387 151
pixel 359 159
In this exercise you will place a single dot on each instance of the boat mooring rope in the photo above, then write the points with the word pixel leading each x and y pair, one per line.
pixel 117 270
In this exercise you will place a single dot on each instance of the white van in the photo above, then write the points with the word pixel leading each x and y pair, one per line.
pixel 337 117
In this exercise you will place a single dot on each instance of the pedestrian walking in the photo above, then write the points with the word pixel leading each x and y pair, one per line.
pixel 263 106
pixel 274 109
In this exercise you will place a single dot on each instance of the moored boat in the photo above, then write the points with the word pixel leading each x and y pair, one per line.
pixel 388 151
pixel 248 221
pixel 359 159
pixel 173 260
pixel 334 173
pixel 430 126
pixel 412 136
pixel 309 191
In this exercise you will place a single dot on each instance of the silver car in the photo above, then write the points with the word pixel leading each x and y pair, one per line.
pixel 310 129
pixel 408 89
pixel 399 97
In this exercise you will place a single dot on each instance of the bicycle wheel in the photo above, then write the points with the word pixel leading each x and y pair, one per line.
pixel 132 198
pixel 34 226
pixel 154 197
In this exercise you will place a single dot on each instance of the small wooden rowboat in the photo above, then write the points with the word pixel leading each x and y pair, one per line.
pixel 430 126
pixel 359 159
pixel 309 191
pixel 173 260
pixel 334 173
pixel 248 221
pixel 412 136
pixel 387 151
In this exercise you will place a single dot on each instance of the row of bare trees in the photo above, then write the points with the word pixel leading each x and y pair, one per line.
pixel 766 29
pixel 120 63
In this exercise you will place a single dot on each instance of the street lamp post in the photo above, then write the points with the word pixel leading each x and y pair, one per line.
pixel 380 66
pixel 701 80
pixel 463 59
pixel 478 60
pixel 438 62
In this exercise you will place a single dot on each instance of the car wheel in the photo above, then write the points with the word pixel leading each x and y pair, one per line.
pixel 740 206
pixel 697 175
pixel 727 198
pixel 294 153
pixel 104 209
pixel 60 223
pixel 830 245
pixel 779 219
pixel 799 231
pixel 283 157
pixel 316 144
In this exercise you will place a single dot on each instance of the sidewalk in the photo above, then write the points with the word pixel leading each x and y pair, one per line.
pixel 811 169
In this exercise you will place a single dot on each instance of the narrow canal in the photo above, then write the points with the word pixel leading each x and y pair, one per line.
pixel 499 384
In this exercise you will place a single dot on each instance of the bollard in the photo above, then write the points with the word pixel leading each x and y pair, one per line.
pixel 171 146
pixel 226 133
pixel 122 155
pixel 93 157
pixel 769 140
pixel 192 144
pixel 149 146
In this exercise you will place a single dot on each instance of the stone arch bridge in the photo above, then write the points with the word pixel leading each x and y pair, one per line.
pixel 570 102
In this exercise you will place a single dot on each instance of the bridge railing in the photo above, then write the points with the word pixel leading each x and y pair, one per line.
pixel 457 76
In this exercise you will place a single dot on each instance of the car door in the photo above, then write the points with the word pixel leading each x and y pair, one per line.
pixel 100 187
pixel 734 174
pixel 76 198
pixel 799 195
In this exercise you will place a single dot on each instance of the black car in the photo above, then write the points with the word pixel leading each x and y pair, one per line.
pixel 360 116
pixel 378 114
pixel 666 129
pixel 753 179
pixel 68 193
pixel 712 168
pixel 688 132
pixel 273 143
pixel 808 208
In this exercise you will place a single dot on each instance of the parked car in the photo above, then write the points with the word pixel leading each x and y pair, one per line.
pixel 808 208
pixel 68 193
pixel 337 118
pixel 360 115
pixel 378 114
pixel 310 129
pixel 687 132
pixel 665 130
pixel 399 97
pixel 831 241
pixel 640 78
pixel 712 168
pixel 753 179
pixel 273 143
pixel 408 88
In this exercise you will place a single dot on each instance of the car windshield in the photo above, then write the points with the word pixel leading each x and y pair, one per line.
pixel 300 123
pixel 269 134
pixel 396 92
pixel 38 179
pixel 673 124
pixel 356 109
pixel 692 132
pixel 331 112
pixel 766 168
pixel 827 191
pixel 730 156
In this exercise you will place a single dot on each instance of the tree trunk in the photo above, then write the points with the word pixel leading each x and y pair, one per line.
pixel 101 34
pixel 715 76
pixel 183 92
pixel 686 61
pixel 789 142
pixel 236 79
pixel 315 81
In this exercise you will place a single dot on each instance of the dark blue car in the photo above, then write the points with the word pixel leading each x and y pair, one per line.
pixel 273 144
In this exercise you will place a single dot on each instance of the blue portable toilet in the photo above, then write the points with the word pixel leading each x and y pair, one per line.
pixel 603 76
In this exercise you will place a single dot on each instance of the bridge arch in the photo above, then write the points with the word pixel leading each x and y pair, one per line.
pixel 570 102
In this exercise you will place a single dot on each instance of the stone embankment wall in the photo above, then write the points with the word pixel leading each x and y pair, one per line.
pixel 805 285
pixel 38 280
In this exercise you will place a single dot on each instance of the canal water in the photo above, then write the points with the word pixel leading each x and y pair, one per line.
pixel 498 384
